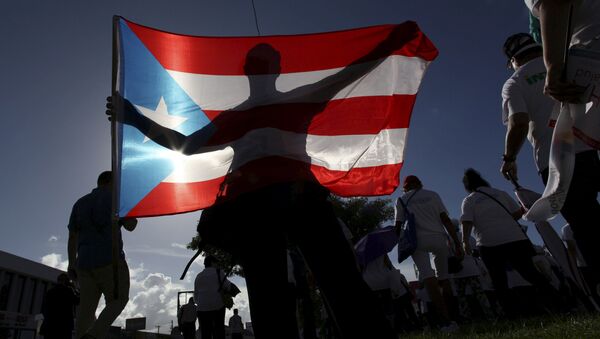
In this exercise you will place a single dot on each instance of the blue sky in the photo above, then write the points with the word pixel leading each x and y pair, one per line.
pixel 56 72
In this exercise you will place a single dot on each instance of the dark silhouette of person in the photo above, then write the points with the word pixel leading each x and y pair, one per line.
pixel 58 309
pixel 260 209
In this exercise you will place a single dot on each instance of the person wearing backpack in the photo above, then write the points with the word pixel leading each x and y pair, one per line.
pixel 432 223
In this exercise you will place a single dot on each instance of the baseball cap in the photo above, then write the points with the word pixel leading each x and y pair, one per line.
pixel 517 44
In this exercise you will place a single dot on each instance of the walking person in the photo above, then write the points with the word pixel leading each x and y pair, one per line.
pixel 186 317
pixel 211 308
pixel 433 227
pixel 492 215
pixel 58 309
pixel 236 326
pixel 527 111
pixel 90 259
pixel 468 278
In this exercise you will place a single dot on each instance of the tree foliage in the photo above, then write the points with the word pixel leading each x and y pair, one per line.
pixel 363 215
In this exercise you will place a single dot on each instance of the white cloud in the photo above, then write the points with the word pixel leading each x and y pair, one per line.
pixel 177 245
pixel 154 295
pixel 55 260
pixel 53 238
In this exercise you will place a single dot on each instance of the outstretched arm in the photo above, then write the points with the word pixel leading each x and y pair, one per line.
pixel 328 87
pixel 163 136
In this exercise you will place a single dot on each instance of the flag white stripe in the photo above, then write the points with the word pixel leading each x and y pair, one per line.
pixel 395 75
pixel 340 153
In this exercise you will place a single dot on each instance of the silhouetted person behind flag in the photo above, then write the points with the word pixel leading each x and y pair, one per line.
pixel 58 309
pixel 254 224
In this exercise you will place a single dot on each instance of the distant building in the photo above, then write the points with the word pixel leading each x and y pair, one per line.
pixel 22 286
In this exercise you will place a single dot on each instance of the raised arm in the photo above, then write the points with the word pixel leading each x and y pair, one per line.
pixel 328 87
pixel 163 136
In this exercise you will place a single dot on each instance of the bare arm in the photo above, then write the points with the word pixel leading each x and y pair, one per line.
pixel 466 236
pixel 328 87
pixel 163 136
pixel 554 24
pixel 72 253
pixel 452 232
pixel 516 133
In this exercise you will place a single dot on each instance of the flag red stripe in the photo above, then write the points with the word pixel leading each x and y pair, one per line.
pixel 226 55
pixel 187 197
pixel 360 115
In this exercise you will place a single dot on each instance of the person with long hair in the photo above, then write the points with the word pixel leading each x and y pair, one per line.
pixel 492 216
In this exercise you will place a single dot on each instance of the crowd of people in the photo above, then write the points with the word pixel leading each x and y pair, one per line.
pixel 310 257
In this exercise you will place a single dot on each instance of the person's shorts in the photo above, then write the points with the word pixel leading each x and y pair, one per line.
pixel 436 245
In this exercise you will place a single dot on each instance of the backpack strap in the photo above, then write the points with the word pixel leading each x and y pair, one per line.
pixel 405 204
pixel 503 207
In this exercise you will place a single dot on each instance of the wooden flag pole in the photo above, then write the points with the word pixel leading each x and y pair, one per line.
pixel 116 253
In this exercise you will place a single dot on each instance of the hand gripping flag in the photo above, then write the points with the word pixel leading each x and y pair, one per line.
pixel 207 118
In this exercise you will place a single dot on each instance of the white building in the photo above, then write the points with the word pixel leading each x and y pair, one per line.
pixel 22 286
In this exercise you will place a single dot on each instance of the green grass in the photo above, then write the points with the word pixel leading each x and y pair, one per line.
pixel 565 326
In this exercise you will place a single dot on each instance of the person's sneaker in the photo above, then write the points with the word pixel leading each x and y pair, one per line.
pixel 451 327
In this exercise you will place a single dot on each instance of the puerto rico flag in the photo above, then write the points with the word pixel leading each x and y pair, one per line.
pixel 207 118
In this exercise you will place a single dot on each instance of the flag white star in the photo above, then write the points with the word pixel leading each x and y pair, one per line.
pixel 161 116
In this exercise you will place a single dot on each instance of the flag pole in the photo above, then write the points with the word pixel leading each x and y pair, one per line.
pixel 114 158
pixel 255 17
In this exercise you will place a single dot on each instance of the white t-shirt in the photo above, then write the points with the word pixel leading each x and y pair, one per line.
pixel 398 284
pixel 377 275
pixel 523 92
pixel 206 289
pixel 586 21
pixel 188 313
pixel 567 235
pixel 492 225
pixel 426 206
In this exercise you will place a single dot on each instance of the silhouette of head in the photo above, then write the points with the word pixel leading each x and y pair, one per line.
pixel 473 180
pixel 104 179
pixel 412 182
pixel 263 65
pixel 209 261
pixel 262 59
pixel 63 279
pixel 235 311
pixel 191 300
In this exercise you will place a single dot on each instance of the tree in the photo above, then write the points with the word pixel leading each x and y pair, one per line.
pixel 362 215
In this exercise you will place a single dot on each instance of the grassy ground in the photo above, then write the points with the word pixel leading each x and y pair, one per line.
pixel 567 326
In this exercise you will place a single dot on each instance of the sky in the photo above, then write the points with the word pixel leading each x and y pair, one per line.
pixel 55 63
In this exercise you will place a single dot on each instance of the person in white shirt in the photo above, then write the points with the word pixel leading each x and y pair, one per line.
pixel 236 326
pixel 554 25
pixel 527 112
pixel 432 227
pixel 492 215
pixel 211 309
pixel 187 319
pixel 378 274
pixel 467 280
